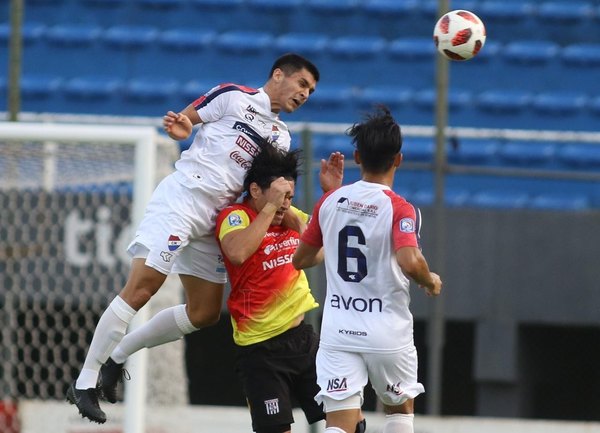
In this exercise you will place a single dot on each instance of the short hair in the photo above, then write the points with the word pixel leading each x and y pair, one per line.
pixel 271 163
pixel 377 139
pixel 291 62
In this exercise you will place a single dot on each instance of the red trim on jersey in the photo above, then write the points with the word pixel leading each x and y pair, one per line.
pixel 222 88
pixel 402 209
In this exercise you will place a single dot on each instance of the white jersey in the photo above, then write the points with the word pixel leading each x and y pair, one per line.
pixel 360 227
pixel 233 117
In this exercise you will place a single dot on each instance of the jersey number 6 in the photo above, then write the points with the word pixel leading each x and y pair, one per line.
pixel 346 252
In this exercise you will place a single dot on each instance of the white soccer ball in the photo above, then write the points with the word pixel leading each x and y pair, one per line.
pixel 459 35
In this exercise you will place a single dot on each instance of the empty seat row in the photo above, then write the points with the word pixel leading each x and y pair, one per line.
pixel 360 60
pixel 548 155
pixel 330 103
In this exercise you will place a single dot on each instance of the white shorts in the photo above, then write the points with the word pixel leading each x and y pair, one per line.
pixel 342 375
pixel 178 232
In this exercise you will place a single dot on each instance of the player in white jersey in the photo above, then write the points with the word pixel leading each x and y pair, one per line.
pixel 176 233
pixel 368 237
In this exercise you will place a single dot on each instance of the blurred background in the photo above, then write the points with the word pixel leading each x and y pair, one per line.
pixel 510 193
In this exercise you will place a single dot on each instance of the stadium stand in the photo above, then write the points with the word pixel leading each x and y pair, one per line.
pixel 166 53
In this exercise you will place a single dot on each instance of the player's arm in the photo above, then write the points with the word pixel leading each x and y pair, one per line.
pixel 239 245
pixel 414 265
pixel 307 256
pixel 179 125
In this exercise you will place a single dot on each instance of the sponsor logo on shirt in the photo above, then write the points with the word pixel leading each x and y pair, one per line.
pixel 174 242
pixel 407 225
pixel 352 332
pixel 234 220
pixel 337 384
pixel 251 109
pixel 240 160
pixel 344 204
pixel 272 406
pixel 283 245
pixel 250 148
pixel 361 305
pixel 277 261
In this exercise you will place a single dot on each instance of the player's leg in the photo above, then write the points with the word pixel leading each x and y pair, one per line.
pixel 399 418
pixel 154 251
pixel 394 380
pixel 204 295
pixel 143 282
pixel 341 377
pixel 263 371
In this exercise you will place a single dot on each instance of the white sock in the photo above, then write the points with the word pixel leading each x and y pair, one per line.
pixel 334 430
pixel 167 325
pixel 110 330
pixel 399 423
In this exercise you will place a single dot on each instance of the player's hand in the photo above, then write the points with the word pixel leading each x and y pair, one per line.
pixel 332 172
pixel 278 191
pixel 177 125
pixel 436 287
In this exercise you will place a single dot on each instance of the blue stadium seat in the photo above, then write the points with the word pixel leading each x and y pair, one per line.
pixel 64 43
pixel 92 94
pixel 330 103
pixel 395 97
pixel 357 60
pixel 163 14
pixel 418 149
pixel 498 199
pixel 527 154
pixel 216 14
pixel 333 16
pixel 130 37
pixel 581 62
pixel 185 39
pixel 562 110
pixel 275 15
pixel 580 156
pixel 389 18
pixel 529 64
pixel 503 108
pixel 325 144
pixel 477 73
pixel 33 46
pixel 194 89
pixel 39 93
pixel 473 151
pixel 560 202
pixel 150 96
pixel 460 106
pixel 569 19
pixel 312 45
pixel 503 101
pixel 410 59
pixel 245 56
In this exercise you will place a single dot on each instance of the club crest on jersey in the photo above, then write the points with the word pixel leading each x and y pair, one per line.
pixel 274 133
pixel 174 242
pixel 407 225
pixel 234 220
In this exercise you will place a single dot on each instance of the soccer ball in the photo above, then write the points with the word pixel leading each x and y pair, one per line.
pixel 459 35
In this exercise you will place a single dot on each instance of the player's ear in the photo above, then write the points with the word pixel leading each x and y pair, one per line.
pixel 255 190
pixel 397 159
pixel 356 157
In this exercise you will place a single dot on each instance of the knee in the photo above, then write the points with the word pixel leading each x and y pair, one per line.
pixel 203 317
pixel 138 292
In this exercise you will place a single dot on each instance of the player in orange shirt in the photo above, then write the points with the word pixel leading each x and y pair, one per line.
pixel 268 300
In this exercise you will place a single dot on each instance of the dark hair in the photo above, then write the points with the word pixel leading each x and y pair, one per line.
pixel 270 164
pixel 377 139
pixel 291 62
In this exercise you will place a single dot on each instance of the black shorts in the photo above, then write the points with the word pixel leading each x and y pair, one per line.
pixel 277 374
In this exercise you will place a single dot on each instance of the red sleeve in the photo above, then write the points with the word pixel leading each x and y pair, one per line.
pixel 313 235
pixel 405 223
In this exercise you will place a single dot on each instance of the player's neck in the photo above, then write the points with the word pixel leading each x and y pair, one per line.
pixel 381 178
